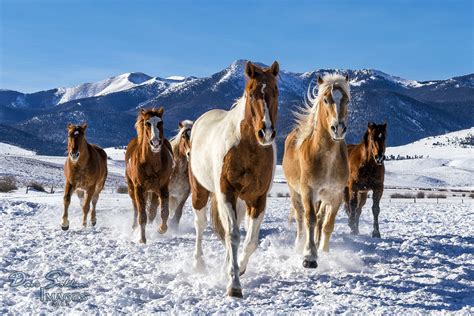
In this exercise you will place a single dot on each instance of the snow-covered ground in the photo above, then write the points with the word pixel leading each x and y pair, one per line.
pixel 423 263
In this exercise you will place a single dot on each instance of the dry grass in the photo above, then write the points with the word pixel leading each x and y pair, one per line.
pixel 7 184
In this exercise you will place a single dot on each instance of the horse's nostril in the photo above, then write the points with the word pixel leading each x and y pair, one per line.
pixel 344 129
pixel 273 134
pixel 261 133
pixel 333 128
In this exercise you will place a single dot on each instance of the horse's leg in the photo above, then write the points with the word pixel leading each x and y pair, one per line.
pixel 310 252
pixel 200 223
pixel 352 216
pixel 320 209
pixel 297 210
pixel 87 205
pixel 347 197
pixel 80 195
pixel 255 216
pixel 329 219
pixel 226 204
pixel 178 209
pixel 140 200
pixel 165 211
pixel 377 195
pixel 361 199
pixel 67 200
pixel 131 192
pixel 153 201
pixel 95 198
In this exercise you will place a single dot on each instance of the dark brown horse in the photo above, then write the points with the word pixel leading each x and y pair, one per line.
pixel 85 170
pixel 366 172
pixel 149 163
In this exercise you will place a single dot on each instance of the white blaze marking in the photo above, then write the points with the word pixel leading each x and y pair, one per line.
pixel 76 133
pixel 266 116
pixel 155 132
pixel 337 97
pixel 380 135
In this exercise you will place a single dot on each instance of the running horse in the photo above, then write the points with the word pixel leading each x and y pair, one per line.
pixel 179 187
pixel 366 172
pixel 233 156
pixel 315 164
pixel 86 171
pixel 148 166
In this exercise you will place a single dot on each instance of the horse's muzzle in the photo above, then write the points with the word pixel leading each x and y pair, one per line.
pixel 338 131
pixel 379 159
pixel 155 145
pixel 266 136
pixel 74 155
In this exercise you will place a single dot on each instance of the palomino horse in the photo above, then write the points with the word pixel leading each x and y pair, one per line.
pixel 366 172
pixel 179 184
pixel 149 163
pixel 315 164
pixel 233 156
pixel 85 170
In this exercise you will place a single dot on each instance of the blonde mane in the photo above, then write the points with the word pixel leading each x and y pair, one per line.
pixel 306 117
pixel 176 139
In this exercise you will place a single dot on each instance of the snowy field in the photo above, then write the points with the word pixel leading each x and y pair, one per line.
pixel 424 262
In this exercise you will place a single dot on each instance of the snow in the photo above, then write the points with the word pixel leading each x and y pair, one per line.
pixel 7 149
pixel 422 264
pixel 176 78
pixel 103 87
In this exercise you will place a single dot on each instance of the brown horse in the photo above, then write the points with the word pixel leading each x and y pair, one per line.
pixel 85 170
pixel 367 173
pixel 233 156
pixel 179 184
pixel 315 164
pixel 149 163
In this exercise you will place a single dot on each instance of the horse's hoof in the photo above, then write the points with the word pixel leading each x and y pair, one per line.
pixel 376 234
pixel 162 229
pixel 65 227
pixel 235 293
pixel 310 264
pixel 242 272
pixel 354 232
pixel 143 241
pixel 93 223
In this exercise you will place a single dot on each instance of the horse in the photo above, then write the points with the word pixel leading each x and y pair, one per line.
pixel 179 188
pixel 233 156
pixel 148 167
pixel 366 172
pixel 85 170
pixel 315 164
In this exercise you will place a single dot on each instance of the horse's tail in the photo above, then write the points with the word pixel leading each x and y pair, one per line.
pixel 215 219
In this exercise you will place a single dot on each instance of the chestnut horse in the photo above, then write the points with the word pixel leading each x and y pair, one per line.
pixel 366 172
pixel 315 164
pixel 85 170
pixel 148 167
pixel 233 156
pixel 179 184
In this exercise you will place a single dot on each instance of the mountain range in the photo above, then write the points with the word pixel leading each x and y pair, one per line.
pixel 412 109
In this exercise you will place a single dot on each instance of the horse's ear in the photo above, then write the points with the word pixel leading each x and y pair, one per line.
pixel 347 77
pixel 84 127
pixel 142 111
pixel 320 80
pixel 250 69
pixel 275 68
pixel 385 125
pixel 180 124
pixel 69 126
pixel 160 111
pixel 371 125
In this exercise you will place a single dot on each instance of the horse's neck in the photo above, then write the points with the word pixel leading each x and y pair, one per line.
pixel 321 136
pixel 246 124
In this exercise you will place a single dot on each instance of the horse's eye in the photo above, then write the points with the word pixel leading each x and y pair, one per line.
pixel 148 123
pixel 325 100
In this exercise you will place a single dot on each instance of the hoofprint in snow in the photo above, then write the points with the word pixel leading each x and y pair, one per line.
pixel 423 263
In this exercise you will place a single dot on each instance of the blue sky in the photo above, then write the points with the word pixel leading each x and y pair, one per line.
pixel 47 44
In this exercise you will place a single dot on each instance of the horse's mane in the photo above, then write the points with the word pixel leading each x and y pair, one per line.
pixel 306 116
pixel 139 126
pixel 176 138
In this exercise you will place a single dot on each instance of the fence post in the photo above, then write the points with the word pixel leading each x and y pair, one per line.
pixel 414 200
pixel 437 200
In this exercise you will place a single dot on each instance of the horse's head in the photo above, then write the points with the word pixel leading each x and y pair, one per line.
pixel 76 138
pixel 333 93
pixel 149 126
pixel 375 140
pixel 262 93
pixel 184 146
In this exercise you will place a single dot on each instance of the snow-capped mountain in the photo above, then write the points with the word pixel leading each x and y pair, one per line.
pixel 413 109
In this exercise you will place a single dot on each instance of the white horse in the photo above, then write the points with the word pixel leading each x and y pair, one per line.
pixel 233 156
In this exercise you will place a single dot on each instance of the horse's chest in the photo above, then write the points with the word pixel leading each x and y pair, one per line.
pixel 248 171
pixel 368 177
